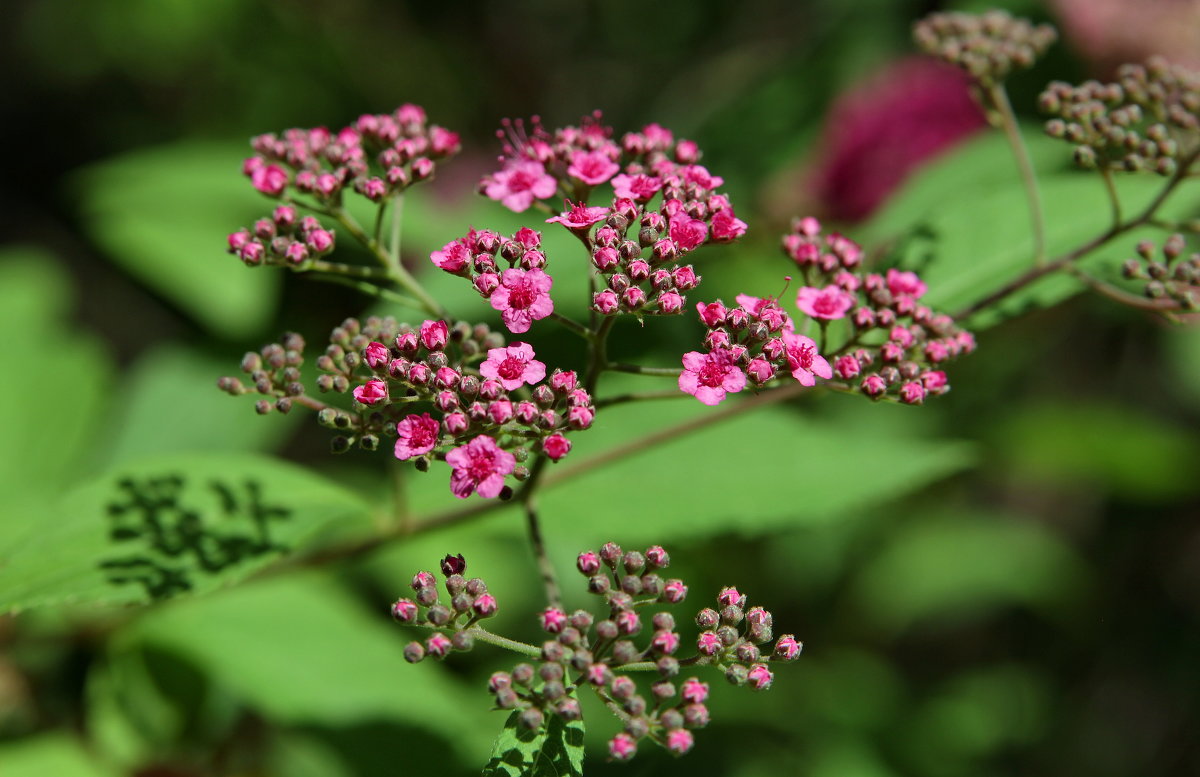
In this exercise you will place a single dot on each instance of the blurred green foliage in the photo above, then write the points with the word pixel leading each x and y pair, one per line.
pixel 1002 582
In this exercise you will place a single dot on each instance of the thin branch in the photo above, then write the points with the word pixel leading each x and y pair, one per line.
pixel 998 98
pixel 573 325
pixel 371 290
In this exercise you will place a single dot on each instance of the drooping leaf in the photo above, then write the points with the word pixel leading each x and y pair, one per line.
pixel 554 750
pixel 163 214
pixel 149 530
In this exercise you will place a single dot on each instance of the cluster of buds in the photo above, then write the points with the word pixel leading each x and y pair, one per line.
pixel 987 46
pixel 665 205
pixel 1174 278
pixel 893 345
pixel 490 404
pixel 1147 120
pixel 469 602
pixel 521 292
pixel 284 239
pixel 274 372
pixel 604 654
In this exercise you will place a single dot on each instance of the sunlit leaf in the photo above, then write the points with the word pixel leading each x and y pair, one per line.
pixel 554 750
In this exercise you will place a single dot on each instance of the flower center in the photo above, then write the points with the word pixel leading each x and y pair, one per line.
pixel 521 296
pixel 712 374
pixel 511 368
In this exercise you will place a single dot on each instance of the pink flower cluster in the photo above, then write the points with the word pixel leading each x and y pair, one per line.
pixel 376 156
pixel 665 205
pixel 284 239
pixel 413 385
pixel 521 292
pixel 894 344
pixel 755 340
pixel 467 602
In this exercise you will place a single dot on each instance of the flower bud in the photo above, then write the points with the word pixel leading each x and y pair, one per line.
pixel 414 652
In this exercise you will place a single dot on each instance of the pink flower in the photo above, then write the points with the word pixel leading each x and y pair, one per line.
pixel 730 597
pixel 636 187
pixel 674 591
pixel 694 691
pixel 622 747
pixel 709 643
pixel 513 366
pixel 376 354
pixel 669 302
pixel 726 226
pixel 873 385
pixel 592 167
pixel 605 302
pixel 934 381
pixel 666 642
pixel 371 392
pixel 905 284
pixel 418 436
pixel 580 216
pixel 438 645
pixel 519 184
pixel 829 303
pixel 687 232
pixel 485 605
pixel 442 141
pixel 787 648
pixel 269 179
pixel 404 610
pixel 480 465
pixel 553 620
pixel 523 297
pixel 804 361
pixel 760 370
pixel 588 562
pixel 912 393
pixel 712 314
pixel 709 376
pixel 453 257
pixel 679 740
pixel 847 367
pixel 760 677
pixel 434 334
pixel 556 446
pixel 423 580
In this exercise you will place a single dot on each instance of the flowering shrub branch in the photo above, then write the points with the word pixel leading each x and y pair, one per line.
pixel 646 212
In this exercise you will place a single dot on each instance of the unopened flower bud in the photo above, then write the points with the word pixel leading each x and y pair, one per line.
pixel 531 718
pixel 414 652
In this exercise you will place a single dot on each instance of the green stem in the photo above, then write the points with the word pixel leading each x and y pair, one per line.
pixel 371 290
pixel 349 270
pixel 598 354
pixel 483 635
pixel 998 98
pixel 397 226
pixel 1163 306
pixel 573 325
pixel 1113 199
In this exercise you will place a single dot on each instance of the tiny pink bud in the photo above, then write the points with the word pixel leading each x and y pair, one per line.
pixel 787 648
pixel 563 381
pixel 580 417
pixel 404 610
pixel 371 392
pixel 622 747
pixel 238 239
pixel 674 591
pixel 633 298
pixel 665 642
pixel 588 562
pixel 553 620
pixel 500 411
pixel 912 393
pixel 670 302
pixel 456 423
pixel 730 597
pixel 656 556
pixel 679 741
pixel 320 241
pixel 847 367
pixel 760 677
pixel 628 622
pixel 376 355
pixel 709 643
pixel 434 334
pixel 437 645
pixel 694 691
pixel 556 446
pixel 485 605
pixel 605 302
pixel 873 385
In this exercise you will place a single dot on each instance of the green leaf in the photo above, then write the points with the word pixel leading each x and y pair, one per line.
pixel 556 750
pixel 954 568
pixel 56 754
pixel 301 650
pixel 168 380
pixel 149 530
pixel 162 215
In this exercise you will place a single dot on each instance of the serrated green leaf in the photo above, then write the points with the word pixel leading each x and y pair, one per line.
pixel 153 529
pixel 555 750
pixel 162 215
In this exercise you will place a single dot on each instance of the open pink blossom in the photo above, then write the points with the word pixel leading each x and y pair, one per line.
pixel 479 466
pixel 804 361
pixel 592 167
pixel 418 436
pixel 580 216
pixel 523 297
pixel 513 366
pixel 709 376
pixel 699 175
pixel 829 303
pixel 453 257
pixel 726 226
pixel 519 184
pixel 636 187
pixel 687 232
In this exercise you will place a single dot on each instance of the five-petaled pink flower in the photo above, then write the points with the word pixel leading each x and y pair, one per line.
pixel 480 466
pixel 519 184
pixel 371 392
pixel 418 436
pixel 453 257
pixel 592 167
pixel 803 359
pixel 709 376
pixel 636 187
pixel 829 303
pixel 523 297
pixel 726 226
pixel 687 232
pixel 513 366
pixel 580 216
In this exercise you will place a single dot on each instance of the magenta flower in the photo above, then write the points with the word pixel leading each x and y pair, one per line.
pixel 694 691
pixel 513 366
pixel 479 466
pixel 804 361
pixel 829 303
pixel 905 284
pixel 580 216
pixel 485 605
pixel 556 446
pixel 709 643
pixel 271 180
pixel 592 167
pixel 760 677
pixel 404 610
pixel 679 740
pixel 376 355
pixel 709 376
pixel 622 747
pixel 730 597
pixel 674 591
pixel 787 648
pixel 699 175
pixel 453 257
pixel 553 620
pixel 418 436
pixel 519 184
pixel 687 232
pixel 847 367
pixel 523 297
pixel 912 393
pixel 636 187
pixel 434 334
pixel 371 392
pixel 726 226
